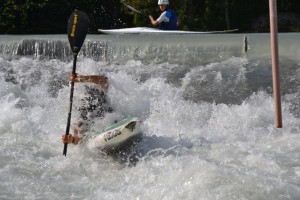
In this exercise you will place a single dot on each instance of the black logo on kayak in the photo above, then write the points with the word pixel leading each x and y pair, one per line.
pixel 111 135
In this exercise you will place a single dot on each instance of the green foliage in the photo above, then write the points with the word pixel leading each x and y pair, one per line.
pixel 31 16
pixel 50 16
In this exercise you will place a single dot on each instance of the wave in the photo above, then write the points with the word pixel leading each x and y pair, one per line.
pixel 188 50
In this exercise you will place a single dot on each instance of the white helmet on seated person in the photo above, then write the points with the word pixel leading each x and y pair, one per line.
pixel 163 2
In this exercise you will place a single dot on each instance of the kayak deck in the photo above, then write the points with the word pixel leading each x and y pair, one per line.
pixel 118 136
pixel 146 30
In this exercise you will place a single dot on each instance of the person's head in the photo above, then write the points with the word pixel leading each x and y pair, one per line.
pixel 163 4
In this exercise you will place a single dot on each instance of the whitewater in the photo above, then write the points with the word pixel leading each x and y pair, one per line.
pixel 206 109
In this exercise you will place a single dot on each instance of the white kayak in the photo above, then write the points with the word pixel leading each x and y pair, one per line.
pixel 151 31
pixel 117 136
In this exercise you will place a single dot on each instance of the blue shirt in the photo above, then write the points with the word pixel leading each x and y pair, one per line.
pixel 167 20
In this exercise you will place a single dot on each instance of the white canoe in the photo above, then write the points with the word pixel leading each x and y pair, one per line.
pixel 151 31
pixel 117 136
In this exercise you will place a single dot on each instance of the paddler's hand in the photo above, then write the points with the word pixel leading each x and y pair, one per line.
pixel 75 78
pixel 70 138
pixel 67 139
pixel 153 21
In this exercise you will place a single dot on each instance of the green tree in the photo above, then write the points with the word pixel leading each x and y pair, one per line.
pixel 190 14
pixel 103 14
pixel 50 16
pixel 12 17
pixel 245 12
pixel 33 16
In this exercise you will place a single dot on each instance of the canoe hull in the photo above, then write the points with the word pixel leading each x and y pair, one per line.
pixel 118 136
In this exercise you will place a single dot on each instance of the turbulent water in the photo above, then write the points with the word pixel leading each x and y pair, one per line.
pixel 206 109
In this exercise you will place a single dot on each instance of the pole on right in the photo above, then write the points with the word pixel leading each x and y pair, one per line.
pixel 275 62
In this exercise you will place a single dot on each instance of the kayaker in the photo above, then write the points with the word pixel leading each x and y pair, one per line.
pixel 93 105
pixel 168 19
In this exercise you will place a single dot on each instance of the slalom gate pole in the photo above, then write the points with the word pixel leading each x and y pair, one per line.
pixel 275 62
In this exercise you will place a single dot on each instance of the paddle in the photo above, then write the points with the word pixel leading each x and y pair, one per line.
pixel 77 29
pixel 135 10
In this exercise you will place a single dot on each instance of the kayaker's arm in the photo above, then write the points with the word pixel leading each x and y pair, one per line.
pixel 153 21
pixel 97 79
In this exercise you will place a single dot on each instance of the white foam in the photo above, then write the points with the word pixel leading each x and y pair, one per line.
pixel 193 149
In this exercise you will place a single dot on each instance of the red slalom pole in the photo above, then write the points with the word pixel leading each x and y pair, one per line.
pixel 275 62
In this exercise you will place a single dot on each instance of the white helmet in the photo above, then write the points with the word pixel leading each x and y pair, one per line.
pixel 163 2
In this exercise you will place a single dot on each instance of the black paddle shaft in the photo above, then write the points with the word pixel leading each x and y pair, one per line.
pixel 77 29
pixel 70 105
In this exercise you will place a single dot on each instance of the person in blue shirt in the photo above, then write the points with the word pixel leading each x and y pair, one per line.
pixel 168 19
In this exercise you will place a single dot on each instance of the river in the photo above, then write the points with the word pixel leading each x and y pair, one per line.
pixel 206 109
